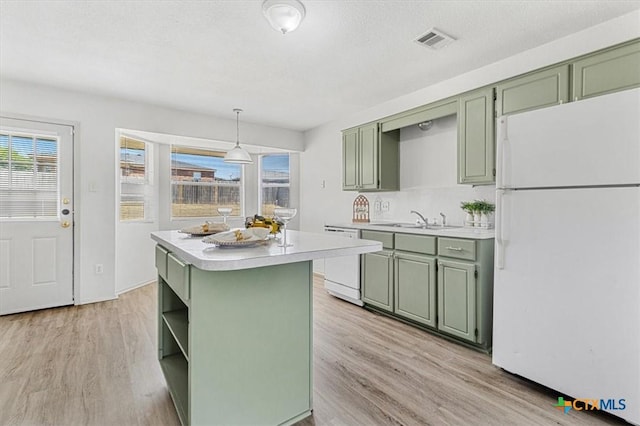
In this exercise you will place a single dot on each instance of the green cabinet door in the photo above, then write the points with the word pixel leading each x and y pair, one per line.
pixel 476 142
pixel 535 90
pixel 606 72
pixel 350 159
pixel 457 299
pixel 370 159
pixel 415 288
pixel 369 156
pixel 377 279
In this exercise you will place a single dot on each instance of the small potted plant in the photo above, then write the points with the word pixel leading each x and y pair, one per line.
pixel 484 208
pixel 469 208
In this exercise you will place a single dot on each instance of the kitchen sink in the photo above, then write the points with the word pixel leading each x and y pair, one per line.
pixel 415 226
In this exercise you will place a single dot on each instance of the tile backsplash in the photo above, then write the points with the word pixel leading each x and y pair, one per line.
pixel 430 202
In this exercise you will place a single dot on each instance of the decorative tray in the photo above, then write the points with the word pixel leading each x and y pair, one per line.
pixel 207 229
pixel 239 238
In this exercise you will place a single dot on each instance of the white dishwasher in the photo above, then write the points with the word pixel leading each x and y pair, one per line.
pixel 342 274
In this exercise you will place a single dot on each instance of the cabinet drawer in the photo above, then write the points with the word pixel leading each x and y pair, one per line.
pixel 178 276
pixel 386 238
pixel 161 261
pixel 416 243
pixel 460 249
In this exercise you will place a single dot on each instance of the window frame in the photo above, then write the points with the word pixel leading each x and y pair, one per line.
pixel 146 184
pixel 260 183
pixel 201 151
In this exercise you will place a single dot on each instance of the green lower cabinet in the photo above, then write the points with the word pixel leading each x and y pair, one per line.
pixel 457 299
pixel 442 284
pixel 377 279
pixel 235 347
pixel 415 287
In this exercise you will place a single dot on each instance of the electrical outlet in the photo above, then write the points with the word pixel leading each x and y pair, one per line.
pixel 385 206
pixel 99 268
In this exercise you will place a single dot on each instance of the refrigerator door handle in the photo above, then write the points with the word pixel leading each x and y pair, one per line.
pixel 499 233
pixel 502 147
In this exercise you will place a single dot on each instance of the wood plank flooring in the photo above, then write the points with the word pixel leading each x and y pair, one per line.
pixel 97 365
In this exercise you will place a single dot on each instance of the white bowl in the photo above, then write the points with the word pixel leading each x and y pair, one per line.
pixel 261 233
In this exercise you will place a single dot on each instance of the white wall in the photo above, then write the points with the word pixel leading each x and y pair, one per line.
pixel 96 163
pixel 428 177
pixel 321 160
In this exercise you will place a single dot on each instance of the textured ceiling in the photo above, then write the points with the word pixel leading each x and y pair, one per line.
pixel 212 56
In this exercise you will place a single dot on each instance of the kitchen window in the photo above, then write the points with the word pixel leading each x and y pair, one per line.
pixel 275 182
pixel 201 182
pixel 136 187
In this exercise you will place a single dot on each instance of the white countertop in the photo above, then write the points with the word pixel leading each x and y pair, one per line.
pixel 306 246
pixel 471 233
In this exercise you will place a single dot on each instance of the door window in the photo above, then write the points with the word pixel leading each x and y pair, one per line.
pixel 28 176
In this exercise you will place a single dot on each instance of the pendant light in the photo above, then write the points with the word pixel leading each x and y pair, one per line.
pixel 238 155
pixel 283 15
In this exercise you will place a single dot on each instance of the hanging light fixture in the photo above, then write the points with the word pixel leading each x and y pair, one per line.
pixel 238 155
pixel 283 15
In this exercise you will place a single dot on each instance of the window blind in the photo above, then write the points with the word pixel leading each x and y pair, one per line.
pixel 28 176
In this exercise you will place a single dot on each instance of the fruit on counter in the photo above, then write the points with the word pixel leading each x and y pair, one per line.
pixel 258 221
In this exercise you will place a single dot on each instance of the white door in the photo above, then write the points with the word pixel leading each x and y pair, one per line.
pixel 36 215
pixel 585 143
pixel 567 291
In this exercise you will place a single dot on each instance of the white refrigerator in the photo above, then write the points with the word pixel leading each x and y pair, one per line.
pixel 567 272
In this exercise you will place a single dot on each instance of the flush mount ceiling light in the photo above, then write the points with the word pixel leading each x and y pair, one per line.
pixel 238 155
pixel 283 15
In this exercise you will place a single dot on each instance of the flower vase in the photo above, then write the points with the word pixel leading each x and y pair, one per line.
pixel 476 219
pixel 468 220
pixel 484 220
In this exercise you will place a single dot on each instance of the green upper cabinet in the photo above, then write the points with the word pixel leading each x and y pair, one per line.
pixel 606 72
pixel 369 156
pixel 414 116
pixel 370 159
pixel 536 90
pixel 350 161
pixel 476 143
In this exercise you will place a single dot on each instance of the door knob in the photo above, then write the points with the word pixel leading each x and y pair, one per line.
pixel 65 224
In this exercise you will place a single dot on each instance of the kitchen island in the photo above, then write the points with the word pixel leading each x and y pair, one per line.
pixel 235 326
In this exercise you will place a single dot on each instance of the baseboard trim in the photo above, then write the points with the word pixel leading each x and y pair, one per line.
pixel 135 286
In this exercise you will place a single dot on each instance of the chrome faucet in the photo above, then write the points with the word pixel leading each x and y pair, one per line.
pixel 425 223
pixel 444 219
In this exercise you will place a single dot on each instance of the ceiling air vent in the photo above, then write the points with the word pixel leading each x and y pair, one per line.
pixel 434 39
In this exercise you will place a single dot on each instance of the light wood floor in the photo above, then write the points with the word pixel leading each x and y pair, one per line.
pixel 96 365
